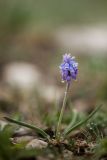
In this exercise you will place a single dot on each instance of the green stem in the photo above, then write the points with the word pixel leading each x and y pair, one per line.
pixel 62 112
pixel 38 130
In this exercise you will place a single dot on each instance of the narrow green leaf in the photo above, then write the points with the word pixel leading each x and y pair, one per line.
pixel 38 130
pixel 66 132
pixel 73 121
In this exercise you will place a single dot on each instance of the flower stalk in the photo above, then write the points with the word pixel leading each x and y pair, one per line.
pixel 62 112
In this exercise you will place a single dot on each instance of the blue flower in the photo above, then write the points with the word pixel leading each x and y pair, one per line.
pixel 69 68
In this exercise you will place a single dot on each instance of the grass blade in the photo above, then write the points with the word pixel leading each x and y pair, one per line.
pixel 66 132
pixel 38 130
pixel 73 121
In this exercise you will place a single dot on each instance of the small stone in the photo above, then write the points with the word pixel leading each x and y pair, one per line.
pixel 36 144
pixel 2 125
pixel 21 139
pixel 67 154
pixel 22 132
pixel 21 75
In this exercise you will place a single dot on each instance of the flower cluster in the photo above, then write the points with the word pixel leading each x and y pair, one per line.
pixel 69 68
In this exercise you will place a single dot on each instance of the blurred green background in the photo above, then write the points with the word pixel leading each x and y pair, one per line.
pixel 34 34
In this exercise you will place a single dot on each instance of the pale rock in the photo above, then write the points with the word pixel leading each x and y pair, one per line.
pixel 88 39
pixel 21 139
pixel 50 93
pixel 2 125
pixel 36 144
pixel 27 77
pixel 22 75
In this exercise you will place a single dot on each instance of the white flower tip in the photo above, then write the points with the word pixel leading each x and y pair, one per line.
pixel 73 57
pixel 62 81
pixel 76 64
